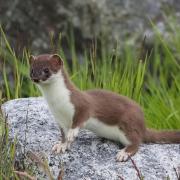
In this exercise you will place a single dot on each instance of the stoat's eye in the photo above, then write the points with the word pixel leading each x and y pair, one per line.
pixel 46 70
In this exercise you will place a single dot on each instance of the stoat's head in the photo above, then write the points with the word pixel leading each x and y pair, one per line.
pixel 45 68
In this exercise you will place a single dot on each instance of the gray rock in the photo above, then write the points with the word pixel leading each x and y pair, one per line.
pixel 31 22
pixel 90 157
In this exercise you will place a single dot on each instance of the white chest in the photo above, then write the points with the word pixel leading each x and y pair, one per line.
pixel 59 102
pixel 106 131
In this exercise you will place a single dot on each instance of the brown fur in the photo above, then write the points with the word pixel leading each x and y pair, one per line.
pixel 106 106
pixel 155 136
pixel 110 108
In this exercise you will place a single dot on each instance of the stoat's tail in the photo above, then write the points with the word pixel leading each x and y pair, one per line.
pixel 153 136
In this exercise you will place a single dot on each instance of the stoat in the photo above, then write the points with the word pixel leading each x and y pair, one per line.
pixel 108 114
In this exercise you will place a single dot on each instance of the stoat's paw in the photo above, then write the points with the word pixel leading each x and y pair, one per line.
pixel 72 133
pixel 60 147
pixel 122 155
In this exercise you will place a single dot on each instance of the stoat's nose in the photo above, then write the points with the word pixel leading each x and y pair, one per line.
pixel 34 76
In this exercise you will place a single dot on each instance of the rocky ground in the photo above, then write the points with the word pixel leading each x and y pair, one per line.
pixel 90 157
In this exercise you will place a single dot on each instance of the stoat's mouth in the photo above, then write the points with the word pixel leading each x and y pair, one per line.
pixel 35 80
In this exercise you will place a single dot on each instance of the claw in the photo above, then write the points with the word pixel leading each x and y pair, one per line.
pixel 122 155
pixel 60 147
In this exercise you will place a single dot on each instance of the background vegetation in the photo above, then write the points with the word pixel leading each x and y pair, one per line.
pixel 149 76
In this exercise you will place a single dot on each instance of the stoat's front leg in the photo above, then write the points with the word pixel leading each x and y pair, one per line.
pixel 62 145
pixel 67 139
pixel 71 134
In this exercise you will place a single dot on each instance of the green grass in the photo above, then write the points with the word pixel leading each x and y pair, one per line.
pixel 152 80
pixel 7 154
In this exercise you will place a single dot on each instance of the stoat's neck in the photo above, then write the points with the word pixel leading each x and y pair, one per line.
pixel 58 93
pixel 69 84
pixel 59 85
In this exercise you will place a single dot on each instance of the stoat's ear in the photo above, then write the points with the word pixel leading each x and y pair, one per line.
pixel 31 59
pixel 56 60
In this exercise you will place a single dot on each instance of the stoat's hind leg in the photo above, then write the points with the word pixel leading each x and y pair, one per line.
pixel 130 149
pixel 125 153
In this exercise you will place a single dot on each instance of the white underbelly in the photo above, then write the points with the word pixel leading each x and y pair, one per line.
pixel 106 131
pixel 62 114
